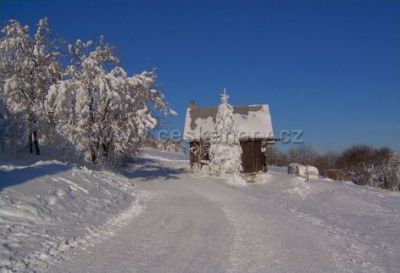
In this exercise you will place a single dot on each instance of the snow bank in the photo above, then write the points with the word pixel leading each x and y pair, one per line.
pixel 48 206
pixel 235 180
pixel 264 178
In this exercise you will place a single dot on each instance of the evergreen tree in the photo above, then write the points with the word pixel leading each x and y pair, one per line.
pixel 225 149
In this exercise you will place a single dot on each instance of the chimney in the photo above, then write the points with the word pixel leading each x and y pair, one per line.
pixel 192 104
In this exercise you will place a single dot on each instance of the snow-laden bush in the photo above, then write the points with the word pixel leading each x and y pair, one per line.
pixel 365 165
pixel 102 111
pixel 28 66
pixel 225 150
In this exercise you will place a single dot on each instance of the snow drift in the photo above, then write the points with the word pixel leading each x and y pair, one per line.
pixel 49 206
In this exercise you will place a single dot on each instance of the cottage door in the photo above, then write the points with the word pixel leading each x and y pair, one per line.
pixel 247 156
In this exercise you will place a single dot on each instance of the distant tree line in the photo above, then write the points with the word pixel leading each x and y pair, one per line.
pixel 361 164
pixel 167 145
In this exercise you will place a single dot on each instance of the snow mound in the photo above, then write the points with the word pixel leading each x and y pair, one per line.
pixel 301 188
pixel 264 178
pixel 235 180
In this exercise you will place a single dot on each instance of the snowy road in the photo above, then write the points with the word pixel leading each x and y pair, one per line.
pixel 200 224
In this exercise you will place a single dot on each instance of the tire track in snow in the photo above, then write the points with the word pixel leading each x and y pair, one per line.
pixel 179 231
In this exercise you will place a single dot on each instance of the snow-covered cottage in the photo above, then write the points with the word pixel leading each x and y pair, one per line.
pixel 254 128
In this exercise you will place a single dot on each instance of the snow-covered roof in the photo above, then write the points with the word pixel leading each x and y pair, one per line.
pixel 252 121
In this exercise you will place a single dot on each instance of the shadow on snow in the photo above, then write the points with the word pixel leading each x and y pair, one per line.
pixel 21 174
pixel 148 169
pixel 142 169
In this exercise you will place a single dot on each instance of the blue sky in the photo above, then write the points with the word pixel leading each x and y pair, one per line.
pixel 331 68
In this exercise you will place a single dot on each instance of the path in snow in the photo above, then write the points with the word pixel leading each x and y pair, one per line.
pixel 194 223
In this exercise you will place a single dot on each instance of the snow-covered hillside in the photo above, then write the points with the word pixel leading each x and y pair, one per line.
pixel 191 222
pixel 48 207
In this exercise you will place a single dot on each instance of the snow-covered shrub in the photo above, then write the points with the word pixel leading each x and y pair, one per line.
pixel 365 165
pixel 102 111
pixel 28 66
pixel 225 150
pixel 388 170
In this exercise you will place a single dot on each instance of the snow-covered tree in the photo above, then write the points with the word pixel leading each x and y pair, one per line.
pixel 28 68
pixel 102 111
pixel 225 150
